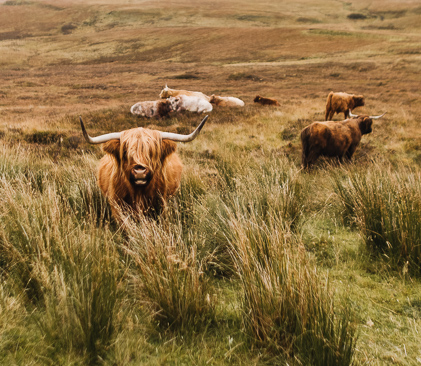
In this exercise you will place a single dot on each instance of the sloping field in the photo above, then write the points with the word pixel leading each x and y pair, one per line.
pixel 201 285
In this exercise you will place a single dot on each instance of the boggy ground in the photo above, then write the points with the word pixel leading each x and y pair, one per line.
pixel 97 58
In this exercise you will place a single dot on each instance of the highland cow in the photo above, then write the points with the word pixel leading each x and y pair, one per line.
pixel 334 139
pixel 226 101
pixel 342 103
pixel 167 92
pixel 155 108
pixel 265 101
pixel 141 169
pixel 191 103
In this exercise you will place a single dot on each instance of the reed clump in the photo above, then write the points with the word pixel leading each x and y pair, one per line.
pixel 288 307
pixel 384 202
pixel 168 275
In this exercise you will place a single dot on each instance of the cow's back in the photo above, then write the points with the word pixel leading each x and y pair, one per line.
pixel 194 104
pixel 178 92
pixel 340 101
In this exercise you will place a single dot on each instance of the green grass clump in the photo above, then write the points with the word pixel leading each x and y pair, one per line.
pixel 169 276
pixel 288 308
pixel 385 204
pixel 270 191
pixel 64 266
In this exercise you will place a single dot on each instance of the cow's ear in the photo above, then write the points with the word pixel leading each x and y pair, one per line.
pixel 167 148
pixel 112 147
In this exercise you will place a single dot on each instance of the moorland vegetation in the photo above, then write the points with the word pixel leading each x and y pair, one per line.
pixel 255 261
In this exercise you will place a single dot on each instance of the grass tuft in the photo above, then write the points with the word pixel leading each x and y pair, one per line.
pixel 288 307
pixel 169 277
pixel 385 204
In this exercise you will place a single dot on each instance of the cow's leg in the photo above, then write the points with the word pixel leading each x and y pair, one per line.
pixel 310 158
pixel 350 152
pixel 331 113
pixel 304 161
pixel 346 113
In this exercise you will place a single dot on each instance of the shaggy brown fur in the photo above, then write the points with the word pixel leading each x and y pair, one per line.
pixel 140 171
pixel 333 139
pixel 342 103
pixel 164 109
pixel 265 101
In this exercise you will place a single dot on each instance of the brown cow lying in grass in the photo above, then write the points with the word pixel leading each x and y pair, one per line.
pixel 265 101
pixel 140 169
pixel 334 139
pixel 342 103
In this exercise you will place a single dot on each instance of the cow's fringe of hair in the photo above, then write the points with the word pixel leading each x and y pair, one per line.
pixel 144 145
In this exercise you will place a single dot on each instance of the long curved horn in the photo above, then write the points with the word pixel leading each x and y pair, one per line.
pixel 352 115
pixel 183 138
pixel 99 139
pixel 377 117
pixel 164 135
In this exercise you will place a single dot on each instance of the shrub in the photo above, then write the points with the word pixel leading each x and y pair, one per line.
pixel 186 76
pixel 243 76
pixel 68 28
pixel 273 191
pixel 44 137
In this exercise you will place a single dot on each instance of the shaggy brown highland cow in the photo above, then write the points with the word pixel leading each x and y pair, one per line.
pixel 140 169
pixel 342 103
pixel 334 139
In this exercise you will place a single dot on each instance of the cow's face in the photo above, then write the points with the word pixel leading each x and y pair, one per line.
pixel 358 101
pixel 365 125
pixel 165 93
pixel 140 154
pixel 174 101
pixel 258 97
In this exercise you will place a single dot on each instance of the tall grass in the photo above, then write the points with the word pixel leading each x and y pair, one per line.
pixel 385 204
pixel 273 190
pixel 169 276
pixel 64 265
pixel 288 308
pixel 250 224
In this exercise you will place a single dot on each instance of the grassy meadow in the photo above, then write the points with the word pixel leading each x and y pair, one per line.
pixel 255 262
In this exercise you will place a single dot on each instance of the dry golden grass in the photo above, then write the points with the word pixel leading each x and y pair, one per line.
pixel 119 54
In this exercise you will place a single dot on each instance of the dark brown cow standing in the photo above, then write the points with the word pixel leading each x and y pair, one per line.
pixel 334 139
